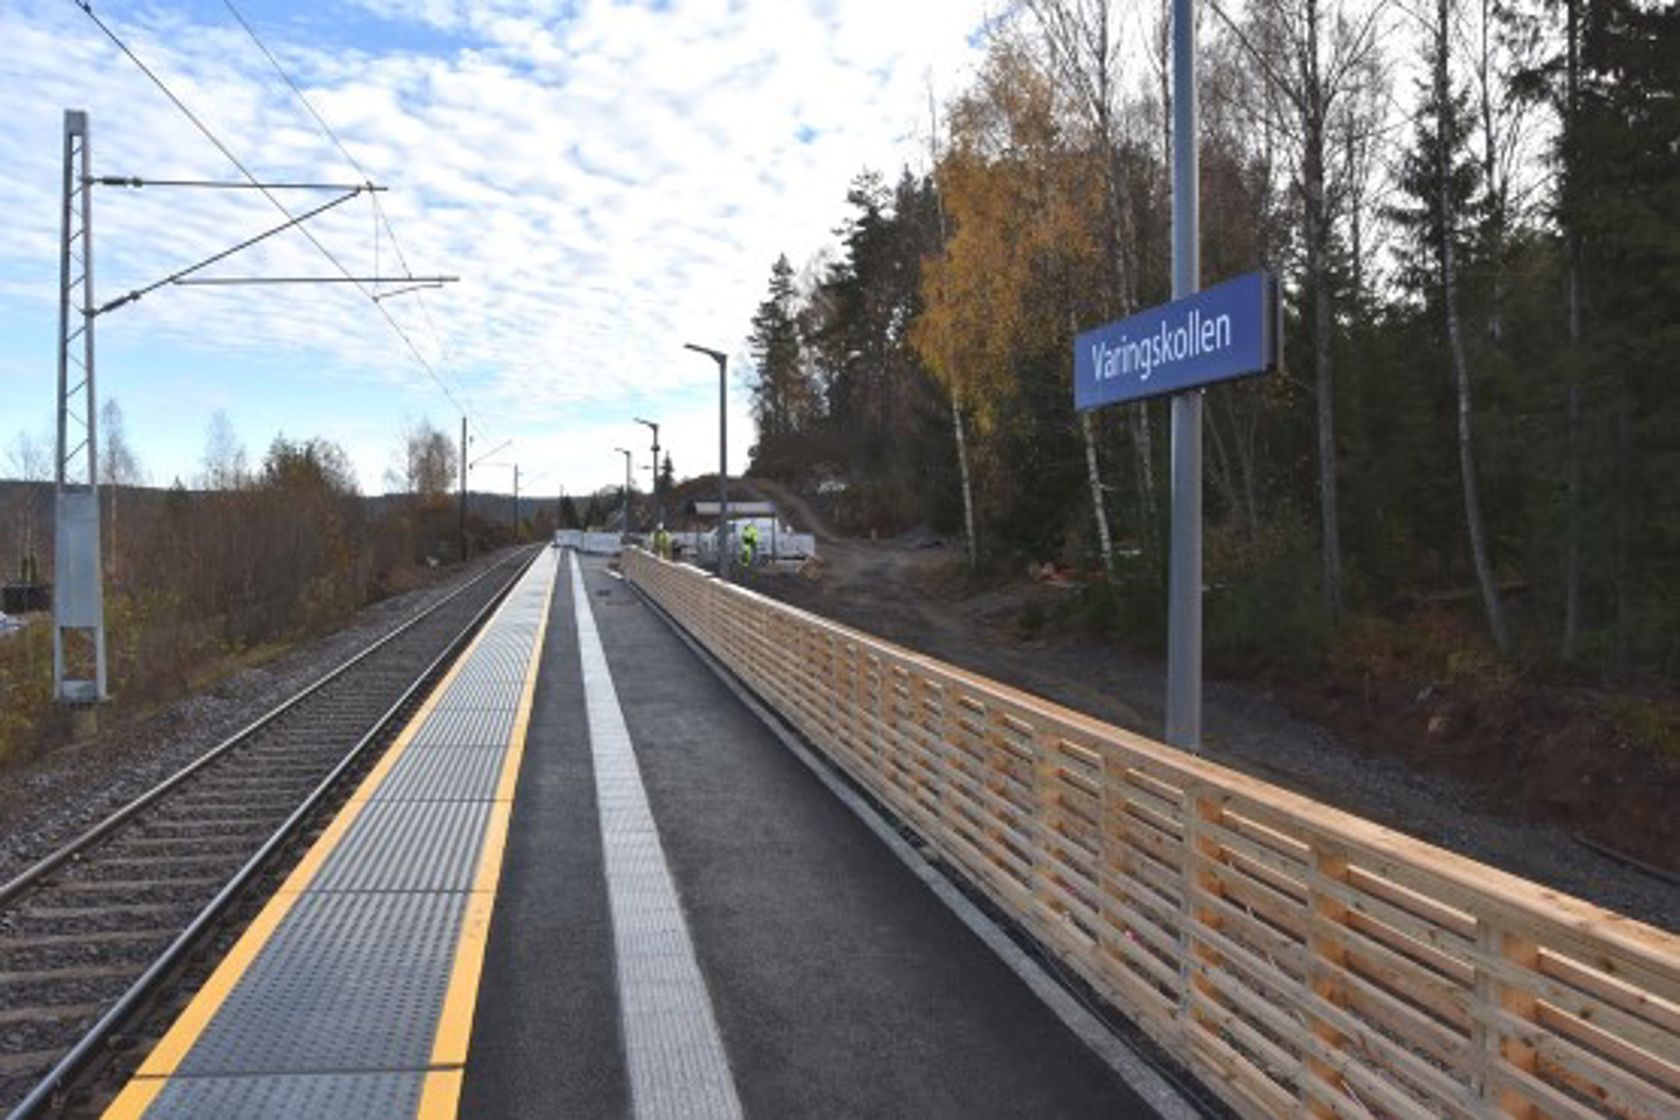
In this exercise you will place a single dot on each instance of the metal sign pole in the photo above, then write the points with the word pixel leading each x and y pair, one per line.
pixel 1184 596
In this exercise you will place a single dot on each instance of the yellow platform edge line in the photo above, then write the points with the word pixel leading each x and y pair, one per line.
pixel 137 1096
pixel 454 1034
pixel 440 1095
pixel 165 1058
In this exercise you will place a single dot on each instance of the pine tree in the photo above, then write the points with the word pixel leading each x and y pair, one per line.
pixel 781 401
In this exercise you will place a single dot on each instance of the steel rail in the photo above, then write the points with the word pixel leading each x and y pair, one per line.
pixel 132 1000
pixel 62 855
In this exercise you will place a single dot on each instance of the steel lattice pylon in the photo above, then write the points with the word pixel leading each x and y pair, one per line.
pixel 78 593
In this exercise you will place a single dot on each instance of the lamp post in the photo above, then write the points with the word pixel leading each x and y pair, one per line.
pixel 722 361
pixel 624 534
pixel 658 510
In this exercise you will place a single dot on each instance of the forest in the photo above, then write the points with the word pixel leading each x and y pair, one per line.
pixel 1468 456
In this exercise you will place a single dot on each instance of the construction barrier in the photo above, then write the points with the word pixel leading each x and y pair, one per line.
pixel 1298 959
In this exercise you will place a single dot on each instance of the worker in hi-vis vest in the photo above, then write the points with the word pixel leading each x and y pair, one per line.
pixel 749 544
pixel 662 543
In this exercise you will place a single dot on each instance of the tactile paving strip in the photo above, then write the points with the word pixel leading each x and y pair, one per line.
pixel 443 774
pixel 674 1052
pixel 347 982
pixel 408 846
pixel 320 1096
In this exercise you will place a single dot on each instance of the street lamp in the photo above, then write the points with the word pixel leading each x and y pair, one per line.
pixel 658 510
pixel 722 361
pixel 624 534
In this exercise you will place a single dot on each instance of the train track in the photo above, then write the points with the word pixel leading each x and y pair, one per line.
pixel 93 933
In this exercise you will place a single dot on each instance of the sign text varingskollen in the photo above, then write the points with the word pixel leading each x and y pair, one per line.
pixel 1222 332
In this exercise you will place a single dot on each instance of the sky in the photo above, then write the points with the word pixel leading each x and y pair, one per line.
pixel 610 180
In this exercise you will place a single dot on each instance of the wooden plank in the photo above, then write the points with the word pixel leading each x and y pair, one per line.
pixel 1615 993
pixel 1271 1059
pixel 1635 1044
pixel 1395 1016
pixel 1287 874
pixel 1457 972
pixel 1438 1086
pixel 1548 1098
pixel 1280 949
pixel 1348 1068
pixel 1243 1084
pixel 1375 962
pixel 1163 940
pixel 1598 1076
pixel 1277 909
pixel 1380 910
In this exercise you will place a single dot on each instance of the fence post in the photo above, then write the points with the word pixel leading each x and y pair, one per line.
pixel 1200 805
pixel 1326 957
pixel 1492 1041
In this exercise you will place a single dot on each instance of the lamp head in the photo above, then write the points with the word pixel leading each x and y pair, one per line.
pixel 716 355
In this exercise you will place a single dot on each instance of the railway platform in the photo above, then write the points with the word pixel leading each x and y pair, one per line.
pixel 587 880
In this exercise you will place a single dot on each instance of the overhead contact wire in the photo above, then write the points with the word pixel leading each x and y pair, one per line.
pixel 380 216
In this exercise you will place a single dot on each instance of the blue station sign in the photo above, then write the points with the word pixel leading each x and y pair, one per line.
pixel 1229 330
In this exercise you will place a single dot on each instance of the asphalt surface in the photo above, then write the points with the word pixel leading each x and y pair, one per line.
pixel 841 985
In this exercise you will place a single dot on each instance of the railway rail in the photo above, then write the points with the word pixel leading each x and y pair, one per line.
pixel 93 933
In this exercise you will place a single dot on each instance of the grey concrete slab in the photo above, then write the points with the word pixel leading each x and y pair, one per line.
pixel 408 846
pixel 481 694
pixel 347 982
pixel 320 1096
pixel 452 727
pixel 433 773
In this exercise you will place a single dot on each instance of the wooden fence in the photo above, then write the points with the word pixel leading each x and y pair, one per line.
pixel 1298 959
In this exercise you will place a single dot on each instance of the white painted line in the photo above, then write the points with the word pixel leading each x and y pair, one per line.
pixel 1131 1067
pixel 673 1050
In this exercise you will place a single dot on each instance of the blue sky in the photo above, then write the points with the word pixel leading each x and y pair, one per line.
pixel 610 180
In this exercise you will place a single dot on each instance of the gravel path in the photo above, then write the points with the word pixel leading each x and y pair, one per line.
pixel 51 800
pixel 884 589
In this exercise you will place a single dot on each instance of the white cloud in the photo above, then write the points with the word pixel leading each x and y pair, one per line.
pixel 609 179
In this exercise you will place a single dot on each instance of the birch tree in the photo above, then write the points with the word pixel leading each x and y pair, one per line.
pixel 946 370
pixel 118 467
pixel 1445 182
pixel 225 463
pixel 1317 54
pixel 29 460
pixel 1084 43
